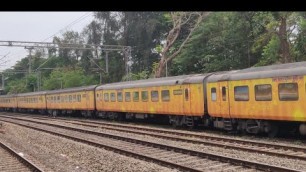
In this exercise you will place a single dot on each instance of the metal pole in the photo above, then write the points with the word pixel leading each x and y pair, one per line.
pixel 106 61
pixel 100 77
pixel 2 81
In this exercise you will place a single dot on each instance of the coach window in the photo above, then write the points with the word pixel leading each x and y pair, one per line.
pixel 106 97
pixel 70 98
pixel 127 96
pixel 165 95
pixel 136 96
pixel 119 96
pixel 213 94
pixel 79 98
pixel 263 92
pixel 154 96
pixel 186 94
pixel 288 91
pixel 144 96
pixel 113 97
pixel 74 98
pixel 224 93
pixel 241 93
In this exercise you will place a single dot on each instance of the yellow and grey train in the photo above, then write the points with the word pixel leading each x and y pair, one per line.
pixel 253 100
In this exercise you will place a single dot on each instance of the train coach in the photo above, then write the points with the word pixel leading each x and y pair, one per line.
pixel 180 98
pixel 260 99
pixel 32 102
pixel 8 102
pixel 71 100
pixel 254 100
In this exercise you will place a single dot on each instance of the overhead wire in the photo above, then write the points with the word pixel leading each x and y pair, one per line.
pixel 63 29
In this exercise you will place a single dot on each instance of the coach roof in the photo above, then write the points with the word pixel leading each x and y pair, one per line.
pixel 76 89
pixel 165 81
pixel 31 94
pixel 279 70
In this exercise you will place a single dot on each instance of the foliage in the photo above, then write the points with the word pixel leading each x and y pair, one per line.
pixel 223 41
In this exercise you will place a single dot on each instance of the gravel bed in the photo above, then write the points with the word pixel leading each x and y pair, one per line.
pixel 265 139
pixel 283 162
pixel 60 154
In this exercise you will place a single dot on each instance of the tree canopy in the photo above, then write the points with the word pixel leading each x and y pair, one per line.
pixel 163 43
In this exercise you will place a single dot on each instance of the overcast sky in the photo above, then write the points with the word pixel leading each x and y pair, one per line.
pixel 35 26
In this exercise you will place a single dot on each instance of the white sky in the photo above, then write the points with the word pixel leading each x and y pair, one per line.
pixel 35 26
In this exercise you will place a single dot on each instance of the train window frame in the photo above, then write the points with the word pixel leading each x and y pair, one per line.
pixel 127 96
pixel 136 98
pixel 70 98
pixel 154 98
pixel 144 96
pixel 240 99
pixel 119 95
pixel 223 92
pixel 213 94
pixel 297 92
pixel 164 98
pixel 106 97
pixel 256 92
pixel 186 94
pixel 113 97
pixel 79 98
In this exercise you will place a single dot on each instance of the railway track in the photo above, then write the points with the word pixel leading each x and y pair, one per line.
pixel 174 157
pixel 278 150
pixel 10 160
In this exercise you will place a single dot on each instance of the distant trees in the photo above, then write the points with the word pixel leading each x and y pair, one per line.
pixel 188 42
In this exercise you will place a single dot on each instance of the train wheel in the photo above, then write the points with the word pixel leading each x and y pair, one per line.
pixel 54 113
pixel 273 130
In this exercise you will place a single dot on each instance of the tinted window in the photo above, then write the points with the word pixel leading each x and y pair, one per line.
pixel 119 96
pixel 213 94
pixel 154 96
pixel 263 92
pixel 186 94
pixel 165 95
pixel 288 91
pixel 127 96
pixel 106 97
pixel 241 93
pixel 224 93
pixel 113 97
pixel 136 96
pixel 144 96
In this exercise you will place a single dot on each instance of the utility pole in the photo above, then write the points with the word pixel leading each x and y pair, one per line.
pixel 30 56
pixel 106 61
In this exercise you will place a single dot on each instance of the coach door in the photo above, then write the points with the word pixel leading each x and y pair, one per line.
pixel 187 99
pixel 224 99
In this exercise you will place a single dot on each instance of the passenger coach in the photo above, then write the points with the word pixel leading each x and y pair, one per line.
pixel 181 98
pixel 260 99
pixel 67 101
